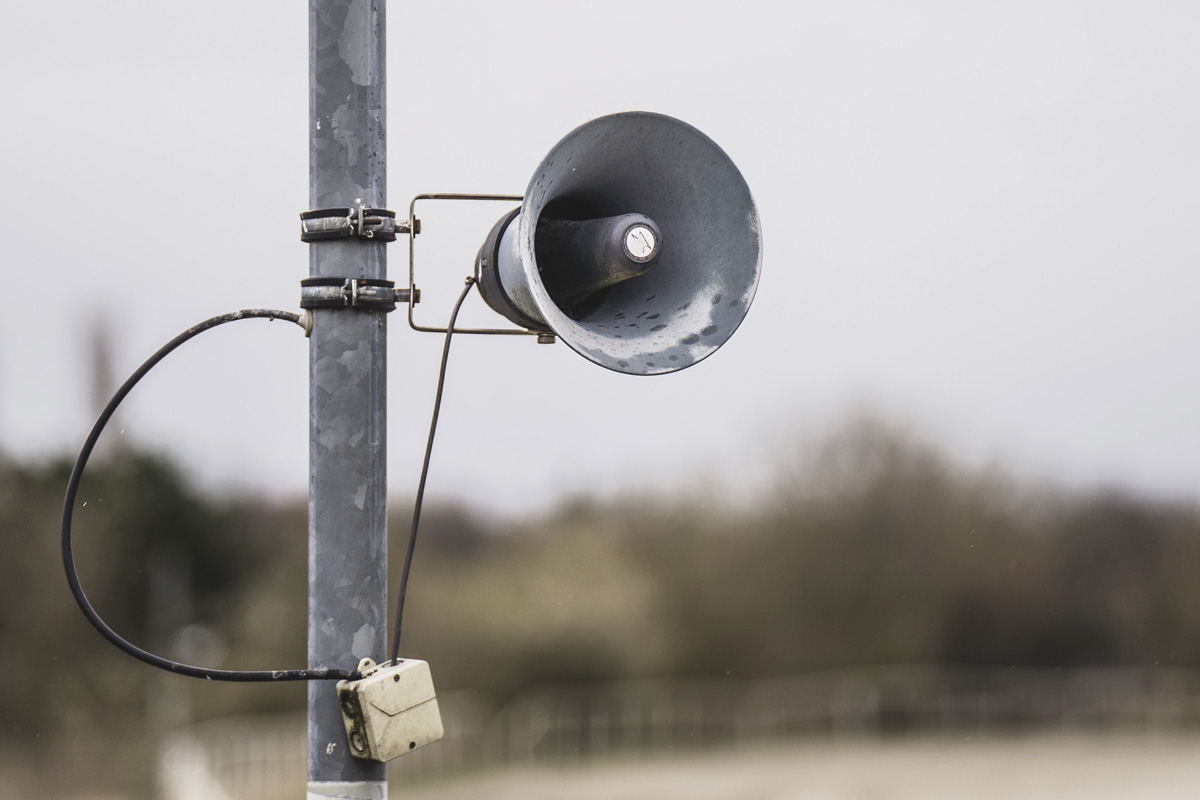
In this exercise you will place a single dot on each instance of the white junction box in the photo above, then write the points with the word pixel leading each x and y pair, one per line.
pixel 391 710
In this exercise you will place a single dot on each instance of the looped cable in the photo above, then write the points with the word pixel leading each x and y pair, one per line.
pixel 69 506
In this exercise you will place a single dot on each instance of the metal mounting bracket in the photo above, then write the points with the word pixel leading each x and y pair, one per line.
pixel 414 228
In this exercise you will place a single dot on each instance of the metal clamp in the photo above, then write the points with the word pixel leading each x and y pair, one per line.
pixel 360 221
pixel 365 293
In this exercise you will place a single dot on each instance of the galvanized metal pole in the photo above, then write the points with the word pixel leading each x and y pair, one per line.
pixel 347 509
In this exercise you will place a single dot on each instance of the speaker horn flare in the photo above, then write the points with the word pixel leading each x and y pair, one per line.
pixel 638 244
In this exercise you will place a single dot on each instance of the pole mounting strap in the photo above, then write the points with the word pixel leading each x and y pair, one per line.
pixel 366 293
pixel 323 224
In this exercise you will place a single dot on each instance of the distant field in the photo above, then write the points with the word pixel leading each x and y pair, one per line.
pixel 1066 767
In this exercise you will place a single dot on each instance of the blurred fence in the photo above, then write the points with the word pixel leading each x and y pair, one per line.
pixel 265 759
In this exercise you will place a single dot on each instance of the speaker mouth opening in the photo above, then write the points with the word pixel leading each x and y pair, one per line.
pixel 584 250
pixel 580 310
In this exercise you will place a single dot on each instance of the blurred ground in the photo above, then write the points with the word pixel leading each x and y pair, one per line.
pixel 1063 767
pixel 880 594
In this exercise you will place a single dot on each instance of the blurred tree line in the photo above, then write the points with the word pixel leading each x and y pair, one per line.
pixel 871 548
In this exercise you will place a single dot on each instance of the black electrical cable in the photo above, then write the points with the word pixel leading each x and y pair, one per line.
pixel 416 519
pixel 69 505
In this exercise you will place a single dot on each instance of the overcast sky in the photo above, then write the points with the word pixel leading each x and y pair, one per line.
pixel 981 219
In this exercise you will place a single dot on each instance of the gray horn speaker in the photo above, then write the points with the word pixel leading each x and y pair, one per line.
pixel 637 244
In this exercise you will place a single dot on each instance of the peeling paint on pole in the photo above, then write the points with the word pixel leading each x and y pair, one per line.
pixel 348 430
